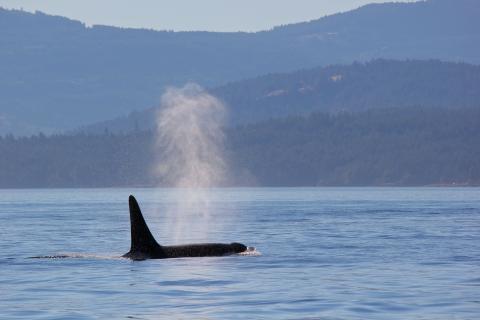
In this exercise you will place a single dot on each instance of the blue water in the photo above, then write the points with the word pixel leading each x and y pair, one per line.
pixel 326 253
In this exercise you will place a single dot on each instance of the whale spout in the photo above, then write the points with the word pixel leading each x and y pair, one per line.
pixel 144 246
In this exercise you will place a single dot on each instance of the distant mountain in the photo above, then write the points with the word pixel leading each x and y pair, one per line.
pixel 352 88
pixel 56 73
pixel 394 146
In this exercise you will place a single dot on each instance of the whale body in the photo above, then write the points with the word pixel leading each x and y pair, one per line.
pixel 144 246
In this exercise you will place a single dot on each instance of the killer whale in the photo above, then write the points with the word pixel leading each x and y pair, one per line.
pixel 144 246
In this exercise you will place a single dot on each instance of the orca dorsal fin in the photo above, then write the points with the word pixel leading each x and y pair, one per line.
pixel 143 242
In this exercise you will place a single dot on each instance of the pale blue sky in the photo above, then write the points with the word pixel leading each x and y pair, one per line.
pixel 212 15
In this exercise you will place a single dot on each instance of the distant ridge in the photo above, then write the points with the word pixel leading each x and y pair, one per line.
pixel 351 88
pixel 58 74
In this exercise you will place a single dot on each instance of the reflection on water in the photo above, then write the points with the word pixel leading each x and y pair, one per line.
pixel 348 253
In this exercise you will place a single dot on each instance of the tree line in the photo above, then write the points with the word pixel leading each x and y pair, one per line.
pixel 413 146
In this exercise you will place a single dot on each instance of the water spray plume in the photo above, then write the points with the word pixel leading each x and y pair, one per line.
pixel 191 138
pixel 190 143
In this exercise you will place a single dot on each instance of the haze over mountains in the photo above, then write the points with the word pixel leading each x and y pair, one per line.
pixel 387 94
pixel 57 74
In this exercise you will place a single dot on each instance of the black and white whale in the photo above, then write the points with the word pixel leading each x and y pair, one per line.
pixel 144 246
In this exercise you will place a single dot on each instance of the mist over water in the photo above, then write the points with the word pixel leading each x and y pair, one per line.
pixel 190 152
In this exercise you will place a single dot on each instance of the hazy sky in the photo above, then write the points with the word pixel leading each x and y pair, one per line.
pixel 212 15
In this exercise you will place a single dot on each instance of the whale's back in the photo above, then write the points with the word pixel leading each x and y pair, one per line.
pixel 144 246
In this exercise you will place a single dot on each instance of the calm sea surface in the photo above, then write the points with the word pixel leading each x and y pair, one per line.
pixel 324 253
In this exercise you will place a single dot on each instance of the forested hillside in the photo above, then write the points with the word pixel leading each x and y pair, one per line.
pixel 394 146
pixel 59 74
pixel 399 147
pixel 356 87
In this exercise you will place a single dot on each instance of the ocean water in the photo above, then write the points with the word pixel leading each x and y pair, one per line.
pixel 321 253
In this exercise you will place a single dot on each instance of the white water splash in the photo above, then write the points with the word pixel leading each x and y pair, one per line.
pixel 190 145
pixel 251 251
